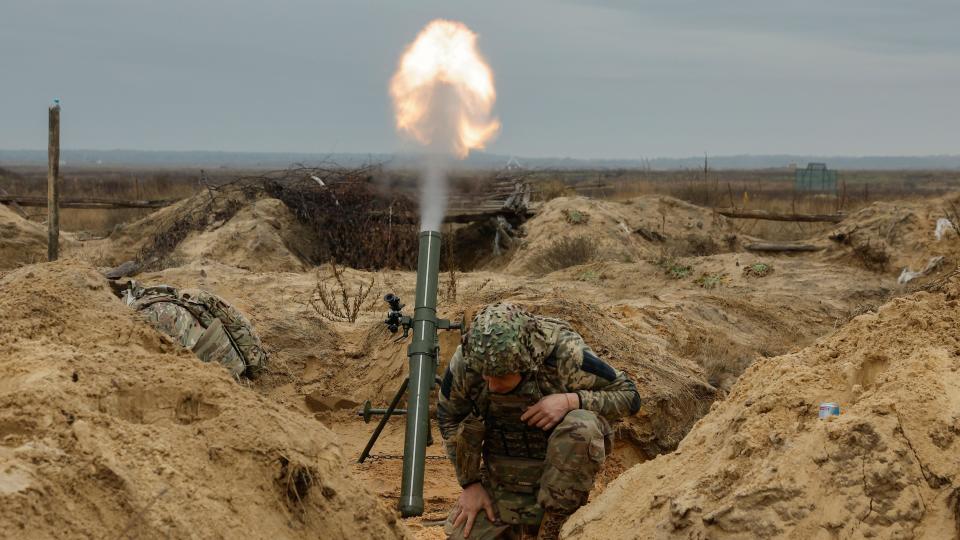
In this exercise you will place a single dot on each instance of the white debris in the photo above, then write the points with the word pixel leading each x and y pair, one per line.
pixel 943 226
pixel 319 181
pixel 907 275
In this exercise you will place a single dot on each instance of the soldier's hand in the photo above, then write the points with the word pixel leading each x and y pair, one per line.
pixel 473 500
pixel 550 410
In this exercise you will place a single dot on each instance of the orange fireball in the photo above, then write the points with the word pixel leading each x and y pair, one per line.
pixel 443 89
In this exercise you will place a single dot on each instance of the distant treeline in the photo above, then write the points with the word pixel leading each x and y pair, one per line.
pixel 478 160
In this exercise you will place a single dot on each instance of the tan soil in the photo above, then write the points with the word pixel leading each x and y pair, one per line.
pixel 23 241
pixel 684 343
pixel 612 227
pixel 902 229
pixel 107 429
pixel 263 236
pixel 663 331
pixel 126 240
pixel 761 465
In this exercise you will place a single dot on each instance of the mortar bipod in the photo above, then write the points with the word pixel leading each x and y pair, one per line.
pixel 367 412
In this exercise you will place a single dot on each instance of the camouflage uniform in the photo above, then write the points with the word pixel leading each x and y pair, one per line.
pixel 201 322
pixel 527 470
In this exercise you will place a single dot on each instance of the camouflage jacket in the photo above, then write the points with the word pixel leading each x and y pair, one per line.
pixel 564 364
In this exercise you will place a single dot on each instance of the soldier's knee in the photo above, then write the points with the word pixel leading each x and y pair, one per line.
pixel 580 424
pixel 577 441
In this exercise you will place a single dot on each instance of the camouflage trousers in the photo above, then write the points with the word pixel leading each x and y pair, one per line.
pixel 575 452
pixel 211 344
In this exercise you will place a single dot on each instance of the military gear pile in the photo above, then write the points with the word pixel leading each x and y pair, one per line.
pixel 202 322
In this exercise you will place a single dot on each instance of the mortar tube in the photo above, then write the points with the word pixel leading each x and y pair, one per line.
pixel 423 367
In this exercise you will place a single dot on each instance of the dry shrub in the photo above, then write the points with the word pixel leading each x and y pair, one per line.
pixel 722 359
pixel 563 253
pixel 854 312
pixel 551 189
pixel 337 301
pixel 155 254
pixel 697 246
pixel 448 292
pixel 952 212
pixel 872 255
pixel 357 224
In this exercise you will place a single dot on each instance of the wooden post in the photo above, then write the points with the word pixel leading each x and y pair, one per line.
pixel 53 183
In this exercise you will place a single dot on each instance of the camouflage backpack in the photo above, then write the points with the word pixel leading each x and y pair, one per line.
pixel 202 322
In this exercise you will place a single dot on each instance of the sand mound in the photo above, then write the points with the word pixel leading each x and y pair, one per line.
pixel 107 429
pixel 637 228
pixel 762 465
pixel 890 236
pixel 21 241
pixel 263 236
pixel 675 390
pixel 126 241
pixel 259 234
pixel 721 316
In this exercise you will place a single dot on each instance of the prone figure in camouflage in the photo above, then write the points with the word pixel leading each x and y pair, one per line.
pixel 525 411
pixel 202 322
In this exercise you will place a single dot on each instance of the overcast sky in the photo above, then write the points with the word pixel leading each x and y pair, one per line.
pixel 625 79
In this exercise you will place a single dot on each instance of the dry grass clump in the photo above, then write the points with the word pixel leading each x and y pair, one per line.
pixel 710 281
pixel 576 217
pixel 548 190
pixel 722 360
pixel 295 480
pixel 872 255
pixel 673 268
pixel 564 253
pixel 758 270
pixel 590 276
pixel 698 246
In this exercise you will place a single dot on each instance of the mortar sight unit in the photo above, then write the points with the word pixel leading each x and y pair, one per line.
pixel 424 356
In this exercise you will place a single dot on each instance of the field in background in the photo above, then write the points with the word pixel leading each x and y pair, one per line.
pixel 767 189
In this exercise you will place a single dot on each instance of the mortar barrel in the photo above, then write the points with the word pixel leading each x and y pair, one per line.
pixel 423 367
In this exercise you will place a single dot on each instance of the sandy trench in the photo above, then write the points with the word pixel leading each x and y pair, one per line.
pixel 684 344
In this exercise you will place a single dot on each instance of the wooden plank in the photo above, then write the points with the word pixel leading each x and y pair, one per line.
pixel 87 202
pixel 771 216
pixel 470 217
pixel 785 247
pixel 13 204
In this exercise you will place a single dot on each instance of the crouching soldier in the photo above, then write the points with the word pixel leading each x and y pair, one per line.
pixel 525 411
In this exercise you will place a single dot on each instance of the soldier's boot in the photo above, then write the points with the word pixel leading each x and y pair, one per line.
pixel 551 524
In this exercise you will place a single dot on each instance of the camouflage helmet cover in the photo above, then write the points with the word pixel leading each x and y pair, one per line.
pixel 498 340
